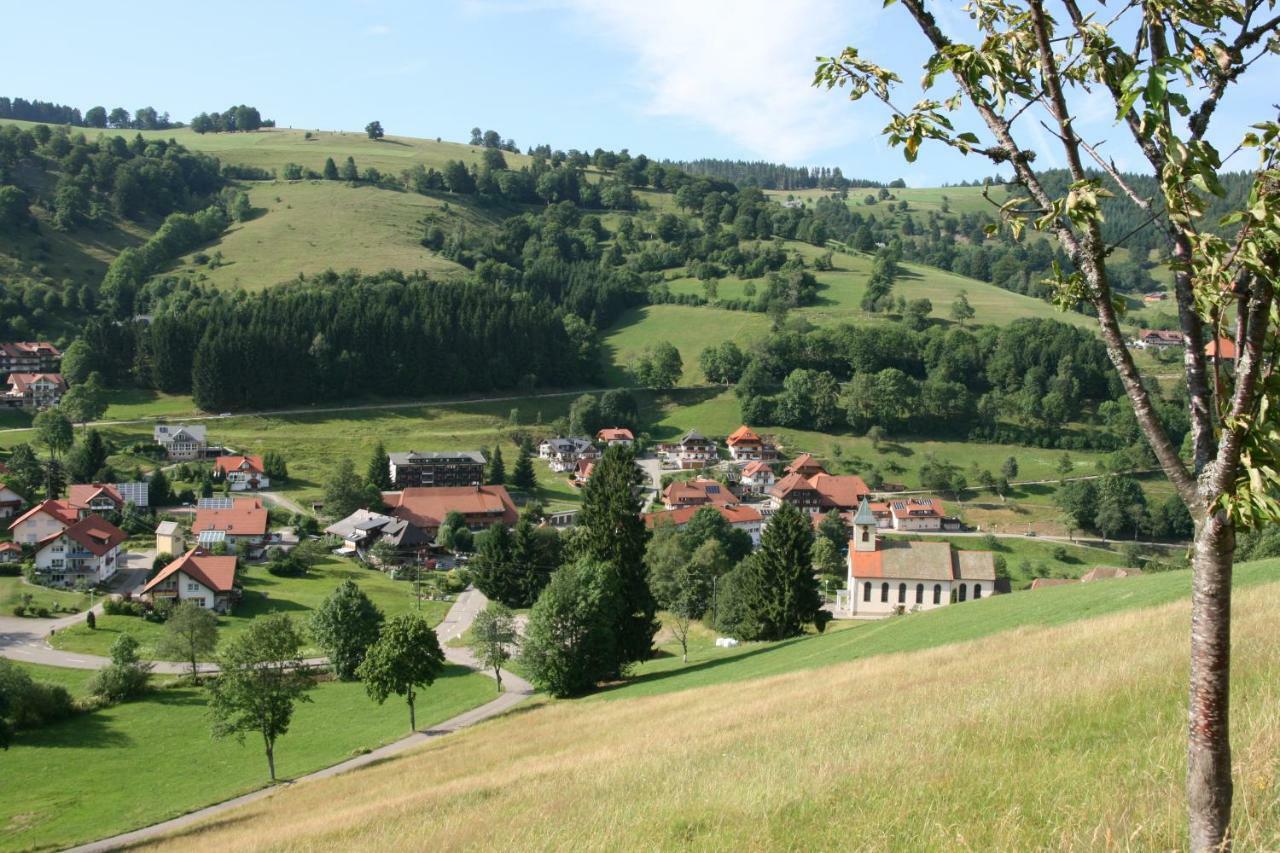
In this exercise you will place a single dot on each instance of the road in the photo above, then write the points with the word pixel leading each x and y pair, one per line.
pixel 652 467
pixel 365 407
pixel 456 622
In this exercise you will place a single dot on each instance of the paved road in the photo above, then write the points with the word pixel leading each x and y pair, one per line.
pixel 652 467
pixel 459 618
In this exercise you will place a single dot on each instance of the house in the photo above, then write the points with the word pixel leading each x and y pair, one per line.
pixel 820 493
pixel 616 435
pixel 916 514
pixel 1154 296
pixel 42 520
pixel 582 471
pixel 1041 583
pixel 563 454
pixel 887 577
pixel 1106 573
pixel 94 499
pixel 746 446
pixel 443 468
pixel 694 450
pixel 242 473
pixel 741 517
pixel 182 443
pixel 29 357
pixel 363 528
pixel 34 390
pixel 426 507
pixel 757 478
pixel 1160 338
pixel 197 577
pixel 88 550
pixel 239 522
pixel 10 502
pixel 1223 349
pixel 699 492
pixel 10 552
pixel 806 466
pixel 170 538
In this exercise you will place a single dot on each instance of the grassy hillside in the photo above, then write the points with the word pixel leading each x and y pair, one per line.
pixel 921 200
pixel 1064 737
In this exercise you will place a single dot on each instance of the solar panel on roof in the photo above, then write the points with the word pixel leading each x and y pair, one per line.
pixel 216 503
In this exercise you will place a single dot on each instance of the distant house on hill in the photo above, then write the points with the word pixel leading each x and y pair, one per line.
pixel 805 465
pixel 197 577
pixel 745 445
pixel 616 435
pixel 1043 583
pixel 242 473
pixel 887 577
pixel 10 502
pixel 694 450
pixel 29 357
pixel 10 552
pixel 1223 349
pixel 564 454
pixel 1160 338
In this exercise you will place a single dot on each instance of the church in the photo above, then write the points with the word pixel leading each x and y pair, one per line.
pixel 889 576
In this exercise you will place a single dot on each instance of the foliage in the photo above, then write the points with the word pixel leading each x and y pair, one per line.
pixel 494 638
pixel 571 642
pixel 126 677
pixel 774 592
pixel 407 656
pixel 345 625
pixel 190 633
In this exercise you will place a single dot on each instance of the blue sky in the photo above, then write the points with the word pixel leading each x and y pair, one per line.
pixel 670 78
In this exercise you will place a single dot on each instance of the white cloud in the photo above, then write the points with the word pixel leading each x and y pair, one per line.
pixel 741 67
pixel 377 30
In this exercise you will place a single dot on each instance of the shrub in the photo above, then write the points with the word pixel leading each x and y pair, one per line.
pixel 122 607
pixel 125 677
pixel 43 612
pixel 91 620
pixel 19 610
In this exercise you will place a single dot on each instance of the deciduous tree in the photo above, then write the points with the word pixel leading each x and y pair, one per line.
pixel 190 632
pixel 406 658
pixel 345 625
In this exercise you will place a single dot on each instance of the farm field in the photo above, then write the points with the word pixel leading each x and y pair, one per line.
pixel 144 761
pixel 306 227
pixel 765 749
pixel 263 593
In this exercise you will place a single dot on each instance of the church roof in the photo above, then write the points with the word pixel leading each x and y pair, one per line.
pixel 864 516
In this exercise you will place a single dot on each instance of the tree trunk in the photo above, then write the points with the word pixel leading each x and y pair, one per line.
pixel 1208 744
pixel 271 758
pixel 413 723
pixel 497 676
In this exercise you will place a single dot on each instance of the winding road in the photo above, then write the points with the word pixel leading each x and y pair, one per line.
pixel 26 640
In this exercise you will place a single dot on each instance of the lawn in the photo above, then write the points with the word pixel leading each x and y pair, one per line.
pixel 853 640
pixel 263 593
pixel 1061 733
pixel 690 329
pixel 12 589
pixel 149 760
pixel 126 404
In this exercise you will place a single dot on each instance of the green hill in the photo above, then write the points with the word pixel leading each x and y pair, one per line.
pixel 1051 734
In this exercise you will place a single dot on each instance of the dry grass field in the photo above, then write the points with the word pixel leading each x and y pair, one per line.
pixel 1065 738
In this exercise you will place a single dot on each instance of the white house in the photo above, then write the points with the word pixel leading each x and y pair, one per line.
pixel 183 443
pixel 616 435
pixel 42 521
pixel 888 577
pixel 695 450
pixel 563 454
pixel 87 550
pixel 243 473
pixel 197 577
pixel 757 478
pixel 916 514
pixel 10 502
pixel 239 522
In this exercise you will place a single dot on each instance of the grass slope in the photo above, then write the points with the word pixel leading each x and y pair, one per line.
pixel 263 593
pixel 145 761
pixel 1065 737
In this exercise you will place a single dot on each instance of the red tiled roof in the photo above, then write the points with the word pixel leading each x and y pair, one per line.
pixel 15 349
pixel 427 506
pixel 247 464
pixel 216 573
pixel 80 494
pixel 705 491
pixel 844 491
pixel 681 516
pixel 58 509
pixel 1223 348
pixel 743 435
pixel 94 533
pixel 615 434
pixel 1041 583
pixel 10 546
pixel 790 483
pixel 920 561
pixel 757 467
pixel 21 381
pixel 246 517
pixel 1104 573
pixel 804 462
pixel 917 508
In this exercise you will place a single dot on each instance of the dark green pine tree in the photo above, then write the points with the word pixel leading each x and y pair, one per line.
pixel 522 476
pixel 491 567
pixel 379 472
pixel 330 169
pixel 615 534
pixel 777 586
pixel 497 474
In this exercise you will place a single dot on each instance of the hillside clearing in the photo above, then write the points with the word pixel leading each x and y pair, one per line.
pixel 1066 737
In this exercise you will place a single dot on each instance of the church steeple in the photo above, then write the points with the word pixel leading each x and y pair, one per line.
pixel 864 528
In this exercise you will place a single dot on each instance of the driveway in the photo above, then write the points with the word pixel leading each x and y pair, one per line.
pixel 652 467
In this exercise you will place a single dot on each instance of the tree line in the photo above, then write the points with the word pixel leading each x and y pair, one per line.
pixel 145 118
pixel 241 117
pixel 774 176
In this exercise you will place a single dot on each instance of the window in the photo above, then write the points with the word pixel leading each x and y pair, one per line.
pixel 866 591
pixel 884 592
pixel 866 535
pixel 919 593
pixel 977 591
pixel 902 593
pixel 961 595
pixel 192 586
pixel 937 593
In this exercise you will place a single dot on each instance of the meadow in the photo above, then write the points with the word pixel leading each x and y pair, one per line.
pixel 263 593
pixel 144 761
pixel 1056 733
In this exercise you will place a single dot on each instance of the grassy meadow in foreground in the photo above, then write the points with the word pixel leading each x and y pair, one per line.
pixel 144 761
pixel 1066 737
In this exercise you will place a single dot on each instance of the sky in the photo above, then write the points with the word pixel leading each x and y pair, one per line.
pixel 677 79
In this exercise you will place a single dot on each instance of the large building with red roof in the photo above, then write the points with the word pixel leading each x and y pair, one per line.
pixel 742 517
pixel 746 445
pixel 697 492
pixel 34 390
pixel 198 577
pixel 29 357
pixel 890 576
pixel 87 550
pixel 821 492
pixel 426 507
pixel 241 523
pixel 94 498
